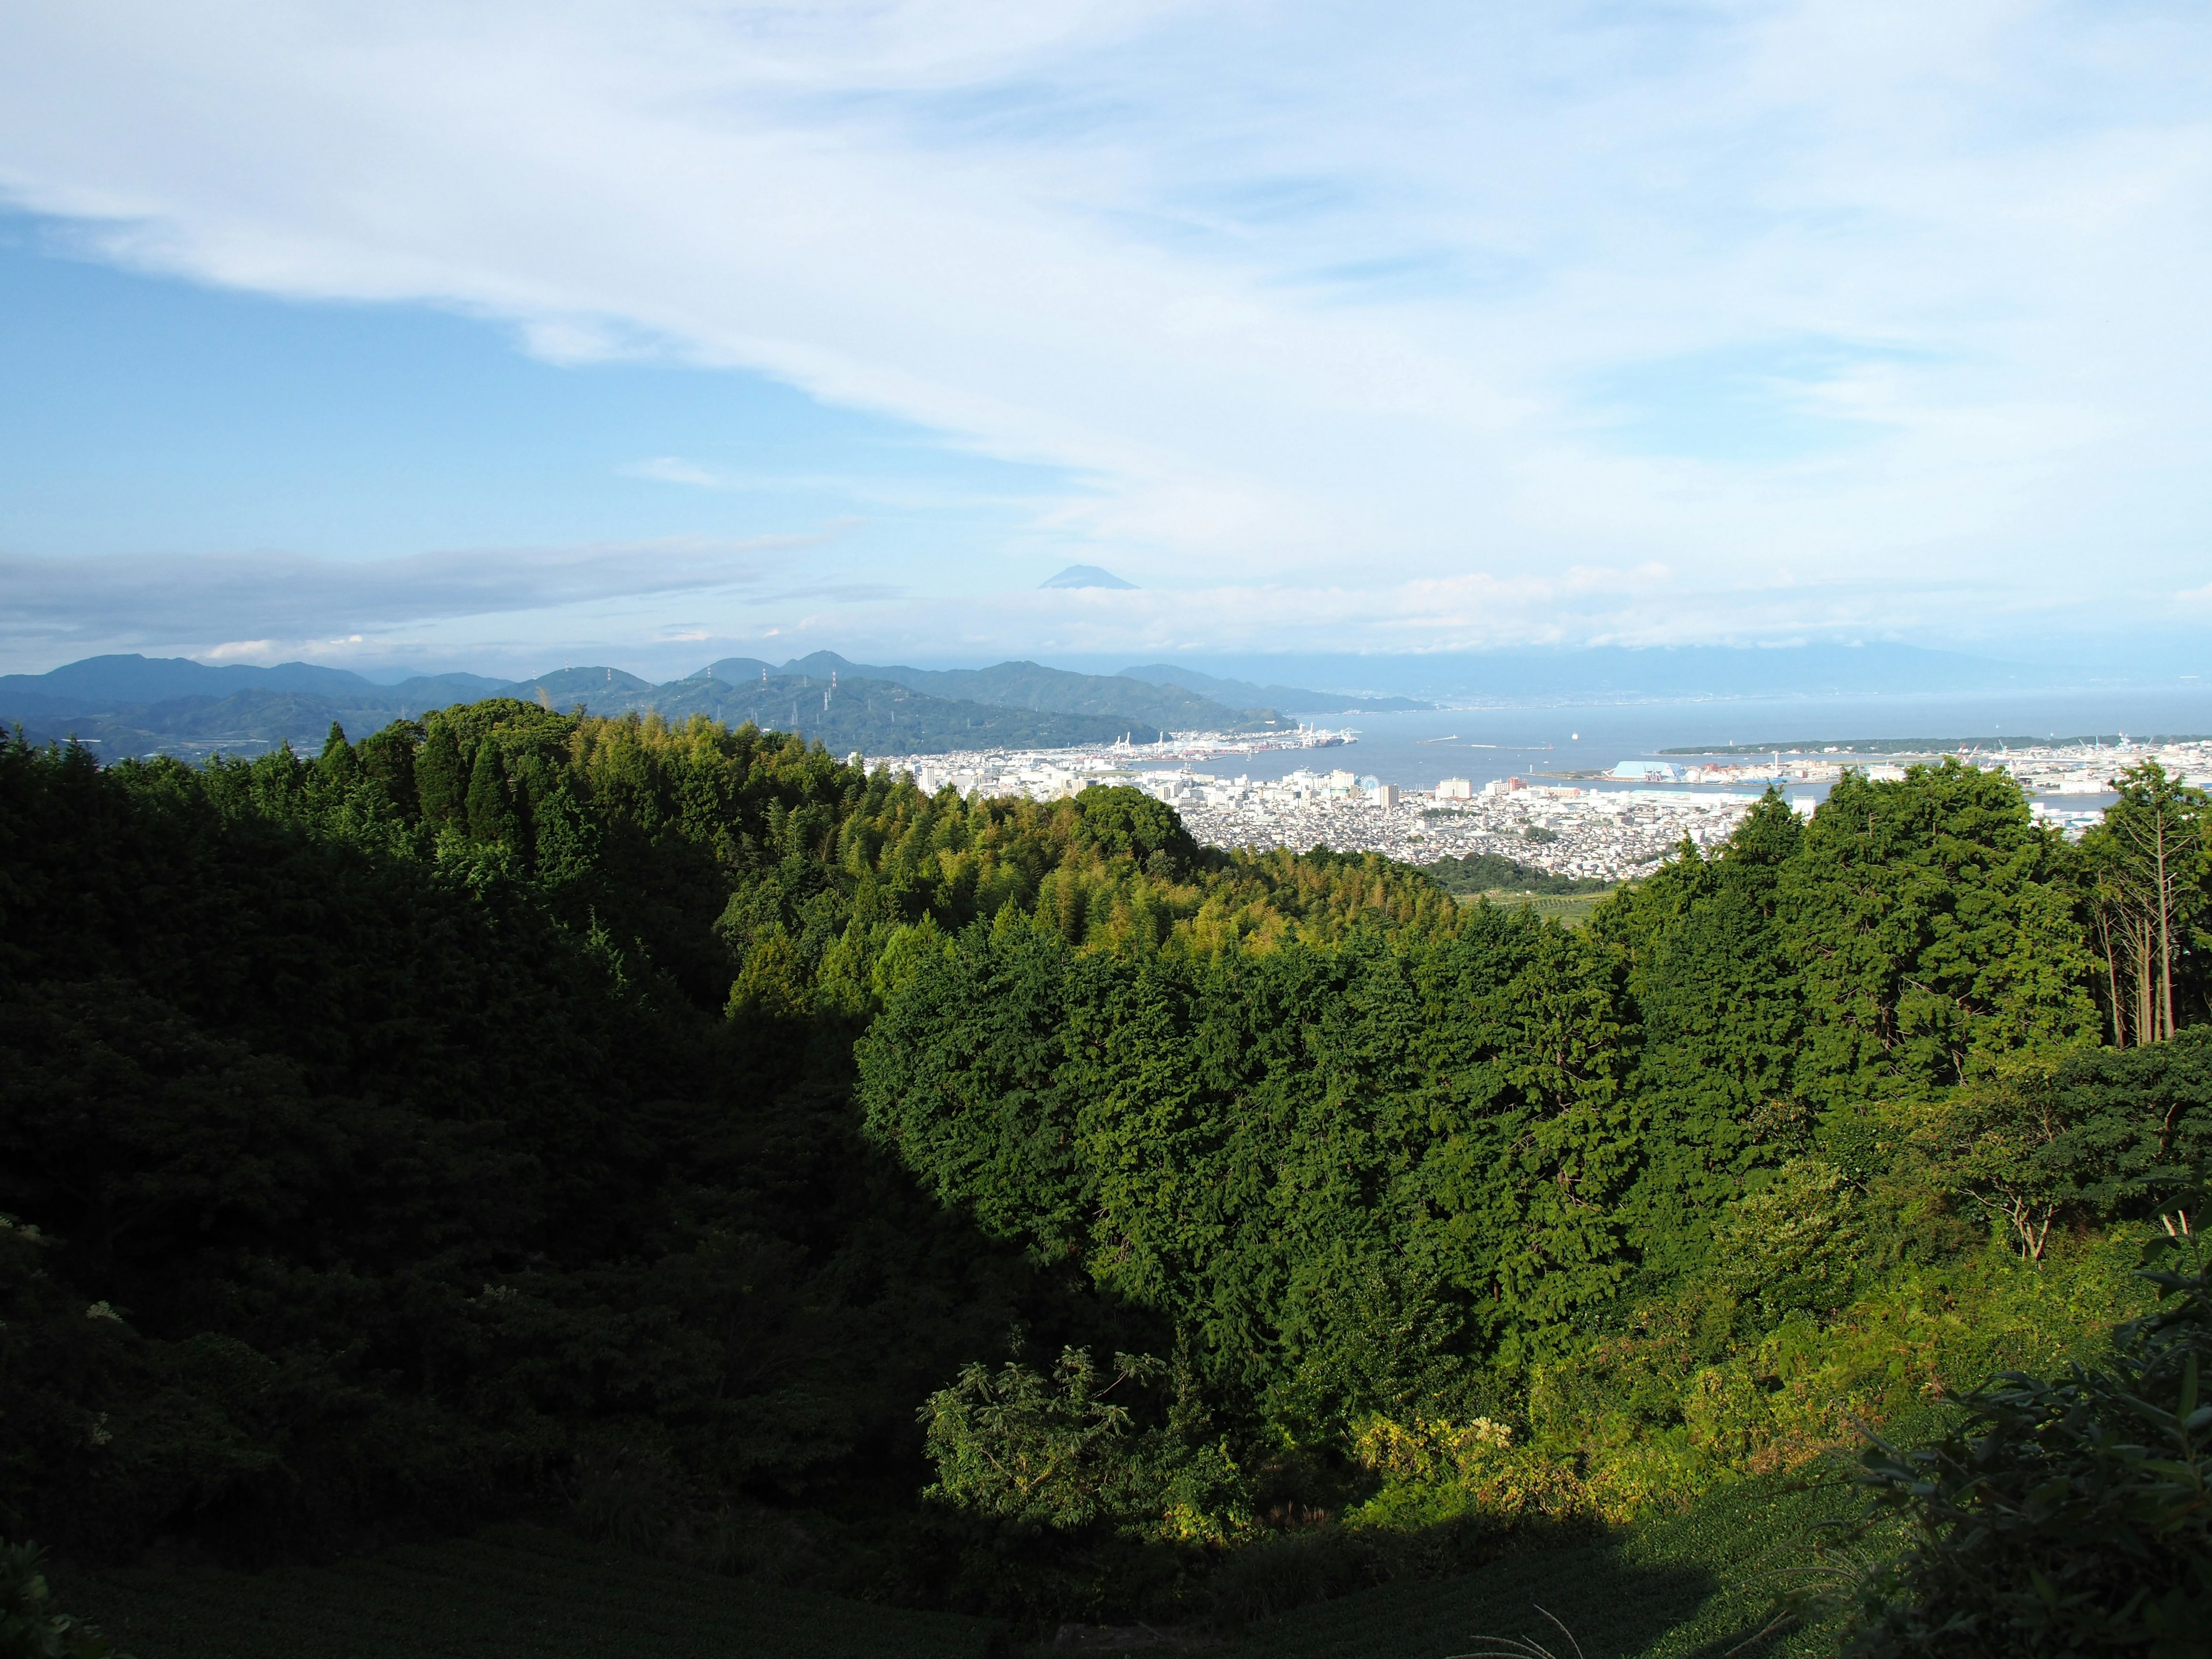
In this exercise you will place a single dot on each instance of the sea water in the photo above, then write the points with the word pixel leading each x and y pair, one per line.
pixel 1415 749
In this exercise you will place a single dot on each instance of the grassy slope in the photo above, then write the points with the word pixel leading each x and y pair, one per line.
pixel 506 1592
pixel 1571 910
pixel 1689 1586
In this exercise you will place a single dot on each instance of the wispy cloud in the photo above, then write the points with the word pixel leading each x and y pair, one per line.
pixel 1436 295
pixel 673 469
pixel 51 608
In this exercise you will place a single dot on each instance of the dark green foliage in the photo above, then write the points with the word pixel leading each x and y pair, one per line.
pixel 1064 1452
pixel 29 1626
pixel 1935 929
pixel 514 1592
pixel 2129 1114
pixel 1707 960
pixel 2068 1515
pixel 437 1112
pixel 2043 1147
pixel 1493 872
pixel 381 1152
pixel 1128 823
pixel 441 785
pixel 1335 1171
pixel 1699 1582
pixel 519 1112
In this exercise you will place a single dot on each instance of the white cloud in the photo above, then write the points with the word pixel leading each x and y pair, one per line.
pixel 674 469
pixel 1312 299
pixel 51 609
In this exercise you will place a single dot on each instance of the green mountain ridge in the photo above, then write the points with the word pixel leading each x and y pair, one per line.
pixel 1035 687
pixel 1290 698
pixel 872 716
pixel 894 711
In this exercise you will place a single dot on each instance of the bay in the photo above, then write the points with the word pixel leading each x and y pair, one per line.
pixel 1415 749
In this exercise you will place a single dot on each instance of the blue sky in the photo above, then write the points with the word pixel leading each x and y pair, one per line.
pixel 487 336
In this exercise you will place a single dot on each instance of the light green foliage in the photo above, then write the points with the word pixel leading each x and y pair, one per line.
pixel 1793 1243
pixel 2065 1516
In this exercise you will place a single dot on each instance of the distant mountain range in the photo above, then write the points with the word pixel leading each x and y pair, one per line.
pixel 1030 685
pixel 1291 699
pixel 133 705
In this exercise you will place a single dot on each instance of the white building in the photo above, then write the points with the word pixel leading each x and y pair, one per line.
pixel 1455 789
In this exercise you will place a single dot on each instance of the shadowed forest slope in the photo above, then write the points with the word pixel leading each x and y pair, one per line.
pixel 669 1132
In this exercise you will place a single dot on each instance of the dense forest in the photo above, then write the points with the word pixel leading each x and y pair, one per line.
pixel 1494 873
pixel 1019 1208
pixel 875 716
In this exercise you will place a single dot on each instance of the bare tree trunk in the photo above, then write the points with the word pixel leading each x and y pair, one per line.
pixel 2111 977
pixel 2146 1018
pixel 2165 934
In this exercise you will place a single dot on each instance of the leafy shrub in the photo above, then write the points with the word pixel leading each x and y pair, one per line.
pixel 1056 1452
pixel 1027 1448
pixel 1791 1243
pixel 28 1629
pixel 1436 1471
pixel 2065 1516
pixel 2042 1145
pixel 624 1495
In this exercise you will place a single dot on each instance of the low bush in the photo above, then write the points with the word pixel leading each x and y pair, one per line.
pixel 2067 1515
pixel 29 1628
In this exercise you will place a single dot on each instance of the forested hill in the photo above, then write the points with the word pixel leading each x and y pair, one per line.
pixel 668 1129
pixel 1055 690
pixel 124 706
pixel 876 717
pixel 463 1113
